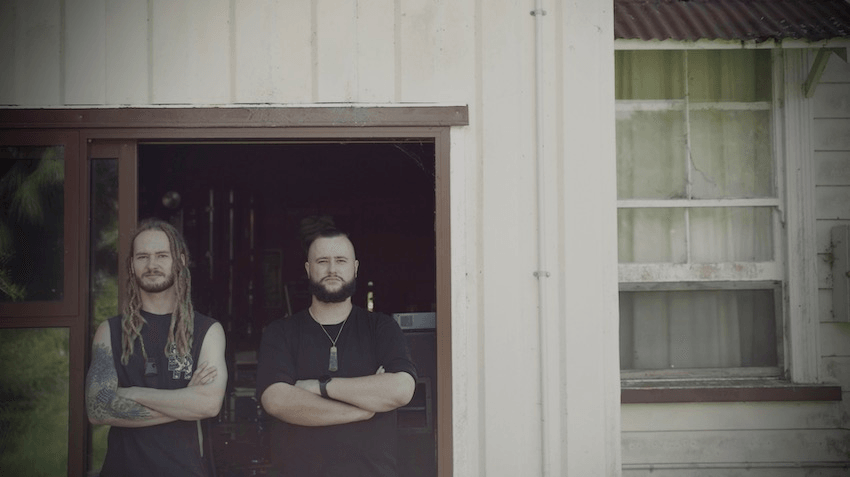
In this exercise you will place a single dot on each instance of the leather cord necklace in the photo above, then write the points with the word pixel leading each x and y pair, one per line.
pixel 333 359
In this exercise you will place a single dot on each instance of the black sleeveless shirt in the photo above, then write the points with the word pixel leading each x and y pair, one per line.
pixel 171 449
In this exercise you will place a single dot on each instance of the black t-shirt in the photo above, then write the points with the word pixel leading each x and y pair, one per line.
pixel 170 449
pixel 296 348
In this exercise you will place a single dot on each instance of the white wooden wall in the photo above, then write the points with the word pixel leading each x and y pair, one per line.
pixel 479 53
pixel 770 439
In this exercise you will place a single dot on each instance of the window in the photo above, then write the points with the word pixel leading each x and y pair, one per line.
pixel 699 214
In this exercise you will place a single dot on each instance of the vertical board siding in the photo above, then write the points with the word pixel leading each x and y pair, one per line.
pixel 7 53
pixel 37 73
pixel 376 45
pixel 336 50
pixel 127 68
pixel 273 54
pixel 191 52
pixel 509 363
pixel 85 52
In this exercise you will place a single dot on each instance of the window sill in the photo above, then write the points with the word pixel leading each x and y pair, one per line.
pixel 646 392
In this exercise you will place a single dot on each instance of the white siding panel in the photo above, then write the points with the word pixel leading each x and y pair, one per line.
pixel 835 339
pixel 127 46
pixel 273 57
pixel 832 168
pixel 837 369
pixel 376 51
pixel 833 203
pixel 734 416
pixel 37 60
pixel 510 419
pixel 757 446
pixel 824 272
pixel 836 71
pixel 7 53
pixel 191 51
pixel 825 306
pixel 435 62
pixel 832 100
pixel 336 51
pixel 825 233
pixel 831 135
pixel 85 51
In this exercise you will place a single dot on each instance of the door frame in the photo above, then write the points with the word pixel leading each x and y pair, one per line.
pixel 117 132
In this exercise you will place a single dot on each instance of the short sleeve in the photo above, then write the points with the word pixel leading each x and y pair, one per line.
pixel 276 362
pixel 393 352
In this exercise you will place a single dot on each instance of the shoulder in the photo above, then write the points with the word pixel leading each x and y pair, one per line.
pixel 203 320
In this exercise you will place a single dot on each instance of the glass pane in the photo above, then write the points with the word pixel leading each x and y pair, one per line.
pixel 651 153
pixel 649 75
pixel 104 267
pixel 729 75
pixel 31 223
pixel 651 235
pixel 34 401
pixel 734 234
pixel 697 329
pixel 731 154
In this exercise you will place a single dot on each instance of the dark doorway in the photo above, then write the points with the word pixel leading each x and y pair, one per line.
pixel 241 207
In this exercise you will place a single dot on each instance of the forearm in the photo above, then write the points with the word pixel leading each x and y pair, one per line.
pixel 381 392
pixel 105 406
pixel 298 406
pixel 186 404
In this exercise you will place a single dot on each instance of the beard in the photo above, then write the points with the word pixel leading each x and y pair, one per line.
pixel 156 287
pixel 327 296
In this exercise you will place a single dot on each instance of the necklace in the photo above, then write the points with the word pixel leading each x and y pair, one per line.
pixel 333 360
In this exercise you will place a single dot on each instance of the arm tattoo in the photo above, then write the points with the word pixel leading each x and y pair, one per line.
pixel 102 400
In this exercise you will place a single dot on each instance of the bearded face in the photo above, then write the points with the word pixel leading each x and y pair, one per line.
pixel 152 262
pixel 328 293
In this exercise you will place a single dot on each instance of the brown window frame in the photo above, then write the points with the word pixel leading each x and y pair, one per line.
pixel 122 129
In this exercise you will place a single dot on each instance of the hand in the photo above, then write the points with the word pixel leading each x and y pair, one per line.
pixel 203 374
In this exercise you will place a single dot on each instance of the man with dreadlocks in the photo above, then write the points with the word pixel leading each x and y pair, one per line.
pixel 158 368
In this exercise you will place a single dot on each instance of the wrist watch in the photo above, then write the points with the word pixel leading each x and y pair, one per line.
pixel 323 386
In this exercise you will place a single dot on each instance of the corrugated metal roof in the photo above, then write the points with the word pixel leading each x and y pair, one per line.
pixel 747 20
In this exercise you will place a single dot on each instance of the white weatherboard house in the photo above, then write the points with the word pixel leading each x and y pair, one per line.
pixel 617 233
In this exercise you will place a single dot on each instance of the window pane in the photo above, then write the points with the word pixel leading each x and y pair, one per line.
pixel 734 234
pixel 729 75
pixel 649 74
pixel 34 401
pixel 31 223
pixel 697 329
pixel 731 154
pixel 104 268
pixel 651 235
pixel 651 153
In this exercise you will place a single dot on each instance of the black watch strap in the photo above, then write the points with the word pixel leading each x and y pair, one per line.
pixel 323 386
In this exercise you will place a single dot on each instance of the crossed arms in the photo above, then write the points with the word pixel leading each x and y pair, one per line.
pixel 353 399
pixel 107 403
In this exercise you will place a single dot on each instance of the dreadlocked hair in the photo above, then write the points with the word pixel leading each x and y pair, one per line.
pixel 182 320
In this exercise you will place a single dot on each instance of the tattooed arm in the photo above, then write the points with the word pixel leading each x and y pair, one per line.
pixel 103 402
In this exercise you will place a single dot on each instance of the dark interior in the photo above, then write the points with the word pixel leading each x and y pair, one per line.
pixel 242 208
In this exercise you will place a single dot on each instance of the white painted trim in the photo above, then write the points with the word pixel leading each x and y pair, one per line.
pixel 636 44
pixel 700 272
pixel 695 203
pixel 801 301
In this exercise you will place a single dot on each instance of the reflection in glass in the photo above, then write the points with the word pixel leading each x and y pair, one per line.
pixel 31 223
pixel 104 267
pixel 651 236
pixel 734 234
pixel 697 329
pixel 34 401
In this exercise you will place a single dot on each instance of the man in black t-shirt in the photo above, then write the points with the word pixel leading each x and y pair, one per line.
pixel 333 375
pixel 158 368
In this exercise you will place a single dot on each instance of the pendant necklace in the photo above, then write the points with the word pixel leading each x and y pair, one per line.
pixel 333 361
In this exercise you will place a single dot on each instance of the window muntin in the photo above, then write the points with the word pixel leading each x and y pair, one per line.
pixel 698 210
